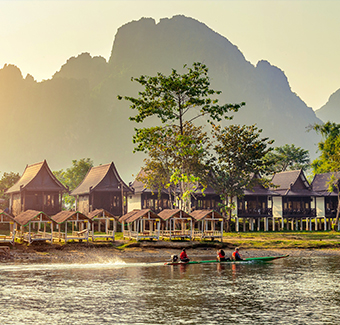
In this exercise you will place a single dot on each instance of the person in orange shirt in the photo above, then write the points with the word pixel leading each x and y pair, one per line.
pixel 183 256
pixel 236 255
pixel 221 256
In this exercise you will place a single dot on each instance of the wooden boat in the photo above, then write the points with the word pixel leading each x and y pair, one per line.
pixel 249 259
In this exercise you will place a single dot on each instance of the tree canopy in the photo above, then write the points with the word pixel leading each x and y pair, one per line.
pixel 239 155
pixel 329 159
pixel 288 157
pixel 176 148
pixel 73 176
pixel 7 180
pixel 329 148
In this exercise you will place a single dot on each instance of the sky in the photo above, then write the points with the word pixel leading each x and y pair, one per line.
pixel 301 37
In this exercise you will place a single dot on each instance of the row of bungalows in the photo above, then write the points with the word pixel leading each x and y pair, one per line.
pixel 32 226
pixel 172 224
pixel 292 203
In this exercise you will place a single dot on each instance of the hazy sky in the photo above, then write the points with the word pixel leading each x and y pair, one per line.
pixel 300 37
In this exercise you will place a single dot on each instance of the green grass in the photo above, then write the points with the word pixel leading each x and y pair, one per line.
pixel 289 239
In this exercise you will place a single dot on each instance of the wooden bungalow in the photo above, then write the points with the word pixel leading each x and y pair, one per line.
pixel 145 198
pixel 206 200
pixel 327 202
pixel 255 208
pixel 7 228
pixel 208 224
pixel 103 224
pixel 71 225
pixel 296 203
pixel 34 226
pixel 37 189
pixel 102 188
pixel 141 224
pixel 176 223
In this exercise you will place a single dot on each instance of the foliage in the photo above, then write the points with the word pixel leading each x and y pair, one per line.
pixel 239 156
pixel 172 97
pixel 288 157
pixel 72 177
pixel 329 160
pixel 7 180
pixel 176 100
pixel 329 148
pixel 175 162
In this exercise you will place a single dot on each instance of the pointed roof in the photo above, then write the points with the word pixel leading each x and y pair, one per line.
pixel 31 215
pixel 258 189
pixel 5 217
pixel 100 213
pixel 319 183
pixel 173 213
pixel 202 214
pixel 37 177
pixel 63 216
pixel 292 183
pixel 101 178
pixel 140 187
pixel 137 214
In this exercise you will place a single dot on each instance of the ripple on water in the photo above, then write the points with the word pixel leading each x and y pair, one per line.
pixel 290 291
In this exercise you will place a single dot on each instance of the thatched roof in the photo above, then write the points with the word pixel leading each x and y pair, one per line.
pixel 104 178
pixel 202 214
pixel 5 217
pixel 173 213
pixel 37 177
pixel 31 215
pixel 63 216
pixel 137 214
pixel 101 213
pixel 292 183
pixel 319 183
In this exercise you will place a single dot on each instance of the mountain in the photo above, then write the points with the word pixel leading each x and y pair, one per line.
pixel 76 113
pixel 331 110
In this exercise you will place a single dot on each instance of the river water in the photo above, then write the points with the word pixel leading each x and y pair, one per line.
pixel 288 291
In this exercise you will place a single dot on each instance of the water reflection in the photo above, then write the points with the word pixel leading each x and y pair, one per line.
pixel 291 291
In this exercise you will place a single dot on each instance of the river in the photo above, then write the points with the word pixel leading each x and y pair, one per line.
pixel 288 291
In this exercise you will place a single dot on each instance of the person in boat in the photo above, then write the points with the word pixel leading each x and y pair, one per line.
pixel 183 256
pixel 236 255
pixel 221 256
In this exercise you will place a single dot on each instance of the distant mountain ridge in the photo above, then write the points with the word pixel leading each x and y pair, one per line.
pixel 76 113
pixel 331 110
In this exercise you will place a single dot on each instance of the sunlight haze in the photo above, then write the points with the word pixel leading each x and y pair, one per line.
pixel 299 37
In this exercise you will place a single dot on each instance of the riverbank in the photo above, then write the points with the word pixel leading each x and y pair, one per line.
pixel 251 244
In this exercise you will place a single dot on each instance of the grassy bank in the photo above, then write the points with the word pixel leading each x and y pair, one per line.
pixel 284 240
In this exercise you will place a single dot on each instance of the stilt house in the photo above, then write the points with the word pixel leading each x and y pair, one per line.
pixel 102 188
pixel 296 204
pixel 327 202
pixel 37 189
pixel 145 198
pixel 255 207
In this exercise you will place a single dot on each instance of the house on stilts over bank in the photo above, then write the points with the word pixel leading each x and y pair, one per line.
pixel 296 203
pixel 37 189
pixel 102 188
pixel 327 201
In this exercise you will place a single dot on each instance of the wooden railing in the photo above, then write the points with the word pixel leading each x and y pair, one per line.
pixel 265 212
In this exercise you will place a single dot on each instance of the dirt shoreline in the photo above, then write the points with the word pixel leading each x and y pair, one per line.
pixel 100 253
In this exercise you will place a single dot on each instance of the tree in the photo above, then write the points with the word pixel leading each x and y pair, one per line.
pixel 329 159
pixel 7 180
pixel 239 155
pixel 329 148
pixel 176 162
pixel 288 157
pixel 176 100
pixel 72 177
